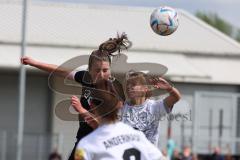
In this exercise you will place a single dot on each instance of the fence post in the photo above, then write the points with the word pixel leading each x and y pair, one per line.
pixel 60 143
pixel 40 147
pixel 4 145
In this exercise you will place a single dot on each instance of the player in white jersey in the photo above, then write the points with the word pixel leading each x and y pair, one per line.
pixel 142 113
pixel 113 140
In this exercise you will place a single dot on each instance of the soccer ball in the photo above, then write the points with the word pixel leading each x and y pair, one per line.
pixel 164 20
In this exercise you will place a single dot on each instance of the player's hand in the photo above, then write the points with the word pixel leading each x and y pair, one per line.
pixel 160 83
pixel 75 102
pixel 27 60
pixel 91 121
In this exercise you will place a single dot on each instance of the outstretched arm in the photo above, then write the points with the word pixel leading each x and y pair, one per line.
pixel 44 66
pixel 174 94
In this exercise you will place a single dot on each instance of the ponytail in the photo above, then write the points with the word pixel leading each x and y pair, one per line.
pixel 108 49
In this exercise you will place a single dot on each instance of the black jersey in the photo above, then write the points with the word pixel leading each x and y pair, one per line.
pixel 84 78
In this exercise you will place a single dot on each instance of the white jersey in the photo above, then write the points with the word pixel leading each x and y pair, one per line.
pixel 116 141
pixel 144 117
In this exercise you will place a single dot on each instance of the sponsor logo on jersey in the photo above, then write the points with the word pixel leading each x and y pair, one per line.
pixel 79 154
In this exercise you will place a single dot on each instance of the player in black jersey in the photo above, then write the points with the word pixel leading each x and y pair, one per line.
pixel 98 68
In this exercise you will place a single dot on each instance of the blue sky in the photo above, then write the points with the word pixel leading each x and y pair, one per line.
pixel 229 10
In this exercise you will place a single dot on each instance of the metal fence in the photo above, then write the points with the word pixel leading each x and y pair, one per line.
pixel 214 123
pixel 35 146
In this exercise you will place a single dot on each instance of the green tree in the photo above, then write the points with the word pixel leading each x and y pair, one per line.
pixel 217 22
pixel 238 35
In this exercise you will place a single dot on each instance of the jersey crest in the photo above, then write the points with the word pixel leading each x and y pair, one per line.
pixel 79 154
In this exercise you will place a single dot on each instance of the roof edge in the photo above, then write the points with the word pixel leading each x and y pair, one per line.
pixel 210 28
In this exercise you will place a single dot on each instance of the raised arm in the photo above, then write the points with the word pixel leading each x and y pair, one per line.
pixel 45 66
pixel 174 94
pixel 87 116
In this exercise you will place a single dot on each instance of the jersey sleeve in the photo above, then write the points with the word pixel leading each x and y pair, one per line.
pixel 160 108
pixel 81 153
pixel 82 77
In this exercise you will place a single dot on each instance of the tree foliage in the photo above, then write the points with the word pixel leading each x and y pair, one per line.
pixel 217 22
pixel 220 24
pixel 238 35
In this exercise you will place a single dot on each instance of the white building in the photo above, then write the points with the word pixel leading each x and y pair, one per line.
pixel 202 63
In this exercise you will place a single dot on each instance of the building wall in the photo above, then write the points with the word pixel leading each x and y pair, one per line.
pixel 37 124
pixel 65 118
pixel 41 117
pixel 212 97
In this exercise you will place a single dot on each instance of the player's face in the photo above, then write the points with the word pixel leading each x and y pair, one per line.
pixel 100 70
pixel 135 90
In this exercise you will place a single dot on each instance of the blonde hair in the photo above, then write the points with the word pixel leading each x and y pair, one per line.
pixel 138 78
